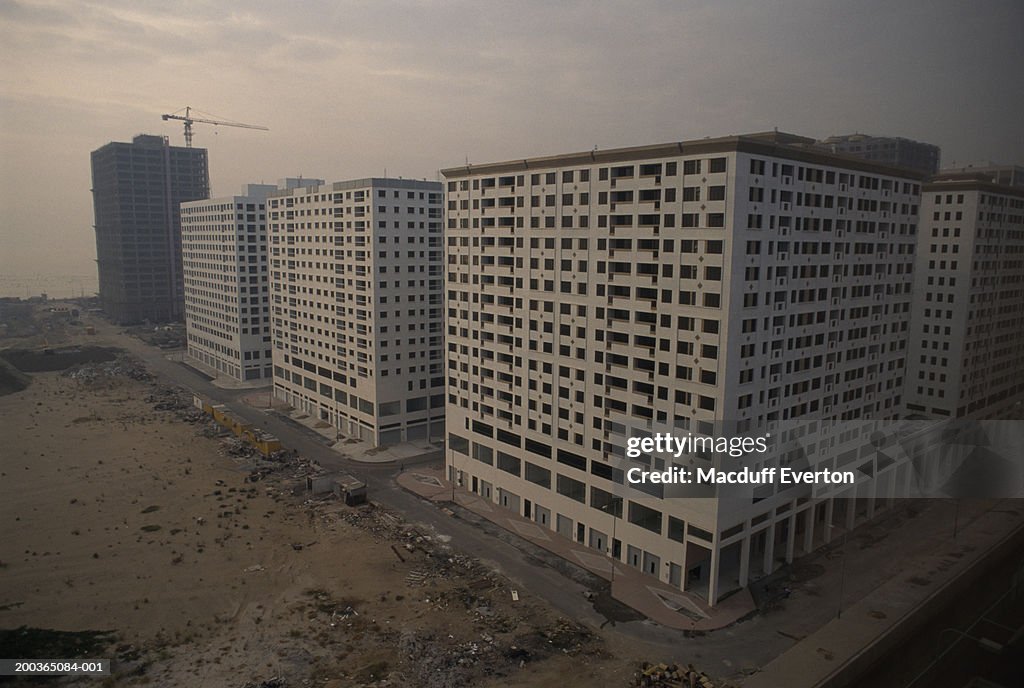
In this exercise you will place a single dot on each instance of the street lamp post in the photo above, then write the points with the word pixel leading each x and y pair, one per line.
pixel 611 545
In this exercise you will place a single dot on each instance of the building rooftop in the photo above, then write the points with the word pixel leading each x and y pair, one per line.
pixel 968 180
pixel 377 182
pixel 770 143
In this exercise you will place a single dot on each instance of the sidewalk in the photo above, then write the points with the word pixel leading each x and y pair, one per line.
pixel 347 448
pixel 871 626
pixel 657 601
pixel 217 378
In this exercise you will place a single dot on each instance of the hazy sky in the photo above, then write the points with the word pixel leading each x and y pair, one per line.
pixel 351 88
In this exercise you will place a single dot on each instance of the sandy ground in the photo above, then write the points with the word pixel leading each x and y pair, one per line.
pixel 123 518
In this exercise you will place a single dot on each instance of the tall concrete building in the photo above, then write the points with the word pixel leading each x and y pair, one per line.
pixel 227 295
pixel 356 285
pixel 745 281
pixel 887 150
pixel 137 190
pixel 967 352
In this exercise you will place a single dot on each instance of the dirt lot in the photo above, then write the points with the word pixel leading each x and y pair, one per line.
pixel 123 518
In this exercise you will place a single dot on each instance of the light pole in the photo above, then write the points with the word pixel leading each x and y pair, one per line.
pixel 611 545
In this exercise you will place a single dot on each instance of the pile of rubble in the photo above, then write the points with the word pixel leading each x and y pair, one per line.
pixel 568 637
pixel 443 662
pixel 233 446
pixel 670 676
pixel 172 399
pixel 285 463
pixel 381 523
pixel 276 682
pixel 210 428
pixel 122 366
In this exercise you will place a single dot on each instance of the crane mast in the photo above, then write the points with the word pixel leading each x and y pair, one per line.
pixel 189 120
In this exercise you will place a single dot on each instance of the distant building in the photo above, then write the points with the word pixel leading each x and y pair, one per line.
pixel 357 290
pixel 1004 175
pixel 966 349
pixel 224 252
pixel 137 189
pixel 886 150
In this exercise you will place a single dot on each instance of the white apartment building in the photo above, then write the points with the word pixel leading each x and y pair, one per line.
pixel 967 352
pixel 224 255
pixel 745 282
pixel 356 275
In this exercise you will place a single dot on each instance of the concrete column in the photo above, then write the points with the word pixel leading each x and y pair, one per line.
pixel 829 510
pixel 744 561
pixel 851 509
pixel 890 500
pixel 809 528
pixel 713 575
pixel 686 574
pixel 873 496
pixel 769 549
pixel 790 537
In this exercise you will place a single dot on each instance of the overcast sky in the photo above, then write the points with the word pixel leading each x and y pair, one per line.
pixel 349 89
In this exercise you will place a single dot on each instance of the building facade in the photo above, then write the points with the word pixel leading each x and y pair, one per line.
pixel 967 353
pixel 357 273
pixel 227 294
pixel 137 191
pixel 887 150
pixel 744 282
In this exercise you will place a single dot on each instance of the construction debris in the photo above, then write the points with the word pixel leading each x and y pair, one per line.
pixel 232 446
pixel 93 374
pixel 276 682
pixel 670 676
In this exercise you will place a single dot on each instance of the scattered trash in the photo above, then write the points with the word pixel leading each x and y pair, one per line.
pixel 670 676
pixel 416 578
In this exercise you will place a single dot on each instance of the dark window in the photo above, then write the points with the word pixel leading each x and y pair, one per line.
pixel 509 463
pixel 483 453
pixel 459 444
pixel 538 448
pixel 538 475
pixel 573 489
pixel 570 459
pixel 645 517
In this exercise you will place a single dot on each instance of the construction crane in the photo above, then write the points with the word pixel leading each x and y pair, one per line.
pixel 189 120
